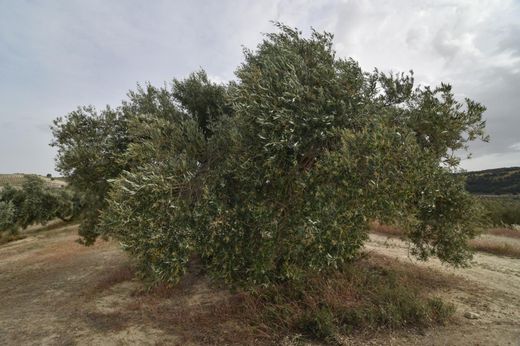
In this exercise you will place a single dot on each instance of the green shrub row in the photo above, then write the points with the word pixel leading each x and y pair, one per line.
pixel 35 203
pixel 501 211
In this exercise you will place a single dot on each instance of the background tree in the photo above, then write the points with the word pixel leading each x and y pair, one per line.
pixel 36 203
pixel 7 217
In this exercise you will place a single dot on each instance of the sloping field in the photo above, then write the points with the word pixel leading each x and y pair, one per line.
pixel 18 179
pixel 499 181
pixel 56 292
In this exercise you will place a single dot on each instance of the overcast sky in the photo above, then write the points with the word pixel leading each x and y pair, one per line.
pixel 56 55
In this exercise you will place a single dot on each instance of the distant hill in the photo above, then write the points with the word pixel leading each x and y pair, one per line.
pixel 17 179
pixel 500 181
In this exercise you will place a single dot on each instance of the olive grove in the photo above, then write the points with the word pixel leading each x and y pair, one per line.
pixel 35 203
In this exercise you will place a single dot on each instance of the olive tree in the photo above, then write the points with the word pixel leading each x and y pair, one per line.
pixel 317 149
pixel 279 173
pixel 35 203
pixel 7 217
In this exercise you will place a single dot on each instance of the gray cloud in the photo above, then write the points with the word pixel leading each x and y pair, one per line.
pixel 56 55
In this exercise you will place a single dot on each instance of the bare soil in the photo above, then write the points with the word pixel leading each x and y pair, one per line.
pixel 490 288
pixel 47 294
pixel 54 291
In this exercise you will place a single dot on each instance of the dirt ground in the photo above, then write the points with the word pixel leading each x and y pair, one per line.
pixel 54 291
pixel 490 289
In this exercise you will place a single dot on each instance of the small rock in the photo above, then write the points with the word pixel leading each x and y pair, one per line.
pixel 471 315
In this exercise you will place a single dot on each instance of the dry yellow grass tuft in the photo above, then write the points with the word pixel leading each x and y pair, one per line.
pixel 504 232
pixel 376 227
pixel 4 239
pixel 114 277
pixel 496 247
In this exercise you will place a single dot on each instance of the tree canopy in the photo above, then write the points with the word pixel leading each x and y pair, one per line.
pixel 275 174
pixel 35 203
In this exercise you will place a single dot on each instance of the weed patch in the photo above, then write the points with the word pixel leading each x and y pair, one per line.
pixel 370 294
pixel 366 295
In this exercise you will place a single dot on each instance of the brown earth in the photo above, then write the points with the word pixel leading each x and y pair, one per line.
pixel 54 291
pixel 46 296
pixel 490 289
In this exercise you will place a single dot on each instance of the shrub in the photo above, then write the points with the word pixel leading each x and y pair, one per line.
pixel 501 211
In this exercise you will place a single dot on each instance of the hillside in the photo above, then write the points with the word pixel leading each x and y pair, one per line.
pixel 17 179
pixel 500 181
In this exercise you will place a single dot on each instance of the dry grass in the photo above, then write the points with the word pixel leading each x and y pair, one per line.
pixel 35 229
pixel 114 277
pixel 387 230
pixel 504 232
pixel 495 247
pixel 371 294
pixel 198 313
pixel 7 238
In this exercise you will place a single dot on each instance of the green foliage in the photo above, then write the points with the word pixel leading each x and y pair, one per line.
pixel 316 149
pixel 205 101
pixel 7 216
pixel 92 145
pixel 35 203
pixel 278 174
pixel 150 210
pixel 318 324
pixel 501 211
